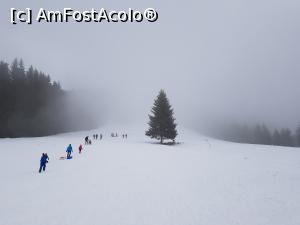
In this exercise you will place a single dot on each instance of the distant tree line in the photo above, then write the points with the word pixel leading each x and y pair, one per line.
pixel 260 134
pixel 32 105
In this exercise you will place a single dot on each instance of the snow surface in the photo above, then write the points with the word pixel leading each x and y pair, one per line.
pixel 136 182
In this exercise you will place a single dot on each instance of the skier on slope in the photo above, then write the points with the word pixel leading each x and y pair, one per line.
pixel 80 148
pixel 69 151
pixel 43 162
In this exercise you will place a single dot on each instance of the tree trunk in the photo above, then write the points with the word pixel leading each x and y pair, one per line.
pixel 161 140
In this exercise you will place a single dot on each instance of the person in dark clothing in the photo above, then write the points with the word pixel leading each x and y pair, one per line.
pixel 86 140
pixel 80 148
pixel 43 162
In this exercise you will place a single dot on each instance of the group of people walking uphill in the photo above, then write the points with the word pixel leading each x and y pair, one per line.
pixel 45 158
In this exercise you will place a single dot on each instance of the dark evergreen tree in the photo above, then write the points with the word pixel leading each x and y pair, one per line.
pixel 162 122
pixel 286 137
pixel 262 135
pixel 297 137
pixel 5 90
pixel 276 138
pixel 258 135
pixel 266 136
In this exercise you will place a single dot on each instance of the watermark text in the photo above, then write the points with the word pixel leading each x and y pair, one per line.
pixel 67 15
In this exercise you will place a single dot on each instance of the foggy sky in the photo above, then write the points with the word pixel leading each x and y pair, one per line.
pixel 232 59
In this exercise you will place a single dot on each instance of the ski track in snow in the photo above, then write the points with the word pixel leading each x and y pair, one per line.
pixel 136 182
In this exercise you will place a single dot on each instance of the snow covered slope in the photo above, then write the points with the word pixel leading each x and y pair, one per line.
pixel 136 182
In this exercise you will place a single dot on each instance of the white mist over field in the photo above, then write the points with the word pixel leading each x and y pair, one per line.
pixel 229 60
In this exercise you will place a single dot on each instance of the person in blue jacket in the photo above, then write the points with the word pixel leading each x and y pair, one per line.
pixel 69 151
pixel 43 162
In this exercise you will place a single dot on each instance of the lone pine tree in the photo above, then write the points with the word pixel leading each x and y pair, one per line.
pixel 162 123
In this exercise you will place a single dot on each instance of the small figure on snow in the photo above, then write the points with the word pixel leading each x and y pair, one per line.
pixel 100 137
pixel 69 151
pixel 80 148
pixel 86 139
pixel 43 162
